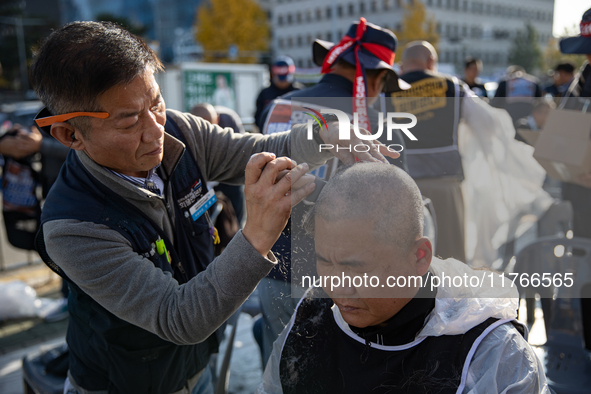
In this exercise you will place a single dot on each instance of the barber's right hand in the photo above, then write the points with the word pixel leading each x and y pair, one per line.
pixel 269 199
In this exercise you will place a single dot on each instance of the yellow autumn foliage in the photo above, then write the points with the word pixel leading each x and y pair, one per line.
pixel 417 24
pixel 222 23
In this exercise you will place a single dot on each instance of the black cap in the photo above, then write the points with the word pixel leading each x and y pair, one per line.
pixel 580 44
pixel 374 34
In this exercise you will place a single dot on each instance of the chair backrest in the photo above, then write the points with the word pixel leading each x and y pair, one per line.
pixel 562 268
pixel 557 220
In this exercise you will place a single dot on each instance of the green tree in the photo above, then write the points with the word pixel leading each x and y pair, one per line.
pixel 552 55
pixel 417 24
pixel 223 23
pixel 525 50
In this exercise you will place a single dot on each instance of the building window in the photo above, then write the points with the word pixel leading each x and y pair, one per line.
pixel 318 14
pixel 289 19
pixel 309 39
pixel 290 42
pixel 300 63
pixel 465 6
pixel 329 36
pixel 399 27
pixel 309 63
pixel 308 16
pixel 299 42
pixel 340 11
pixel 429 3
pixel 299 18
pixel 281 43
pixel 340 34
pixel 351 9
pixel 439 3
pixel 362 8
pixel 374 6
pixel 465 31
pixel 448 4
pixel 280 20
pixel 328 12
pixel 388 4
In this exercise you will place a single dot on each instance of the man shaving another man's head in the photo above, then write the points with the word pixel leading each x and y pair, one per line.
pixel 393 333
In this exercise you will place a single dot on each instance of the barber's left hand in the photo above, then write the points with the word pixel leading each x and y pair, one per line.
pixel 270 192
pixel 347 153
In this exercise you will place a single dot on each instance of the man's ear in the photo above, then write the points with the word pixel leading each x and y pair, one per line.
pixel 423 253
pixel 67 135
pixel 432 64
pixel 375 85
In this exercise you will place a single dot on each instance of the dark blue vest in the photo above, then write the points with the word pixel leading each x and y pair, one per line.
pixel 108 353
pixel 319 357
pixel 435 100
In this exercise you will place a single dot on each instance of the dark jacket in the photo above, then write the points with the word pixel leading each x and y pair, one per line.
pixel 106 352
pixel 267 95
pixel 435 99
pixel 294 237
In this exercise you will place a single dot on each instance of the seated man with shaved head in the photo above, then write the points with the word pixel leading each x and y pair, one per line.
pixel 383 315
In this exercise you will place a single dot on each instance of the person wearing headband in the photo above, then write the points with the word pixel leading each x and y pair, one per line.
pixel 360 67
pixel 355 71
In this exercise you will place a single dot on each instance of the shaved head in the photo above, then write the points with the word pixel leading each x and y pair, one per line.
pixel 418 55
pixel 205 111
pixel 380 193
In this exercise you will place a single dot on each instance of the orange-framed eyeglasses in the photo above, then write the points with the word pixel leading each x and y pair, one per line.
pixel 44 119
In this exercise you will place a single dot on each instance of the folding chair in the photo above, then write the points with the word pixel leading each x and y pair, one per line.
pixel 557 221
pixel 566 359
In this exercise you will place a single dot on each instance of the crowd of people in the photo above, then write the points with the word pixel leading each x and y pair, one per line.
pixel 127 222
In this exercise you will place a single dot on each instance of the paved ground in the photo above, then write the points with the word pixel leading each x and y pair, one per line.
pixel 26 336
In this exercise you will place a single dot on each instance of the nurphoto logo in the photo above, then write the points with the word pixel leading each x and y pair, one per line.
pixel 345 129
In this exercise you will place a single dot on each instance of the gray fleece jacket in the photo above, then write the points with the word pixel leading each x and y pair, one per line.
pixel 103 264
